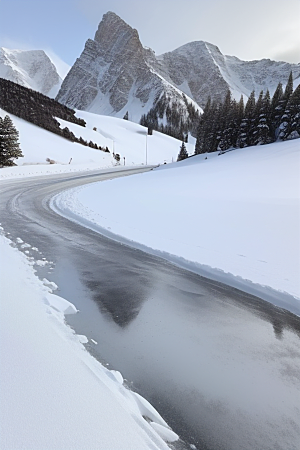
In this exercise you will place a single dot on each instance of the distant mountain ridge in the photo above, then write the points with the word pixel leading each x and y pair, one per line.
pixel 200 69
pixel 115 74
pixel 30 68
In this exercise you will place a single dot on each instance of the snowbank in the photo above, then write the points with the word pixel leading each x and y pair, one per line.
pixel 53 393
pixel 233 217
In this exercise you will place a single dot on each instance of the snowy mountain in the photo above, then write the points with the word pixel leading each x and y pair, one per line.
pixel 32 69
pixel 201 70
pixel 115 73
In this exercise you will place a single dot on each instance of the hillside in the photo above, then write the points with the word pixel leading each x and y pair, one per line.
pixel 232 217
pixel 124 137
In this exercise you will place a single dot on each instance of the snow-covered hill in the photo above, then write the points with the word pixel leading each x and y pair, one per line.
pixel 206 214
pixel 32 69
pixel 126 138
pixel 115 74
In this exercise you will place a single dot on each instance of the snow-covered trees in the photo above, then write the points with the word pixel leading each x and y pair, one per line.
pixel 230 125
pixel 174 118
pixel 39 109
pixel 289 126
pixel 183 154
pixel 9 145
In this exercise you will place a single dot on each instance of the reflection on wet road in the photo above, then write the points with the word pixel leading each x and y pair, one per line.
pixel 221 366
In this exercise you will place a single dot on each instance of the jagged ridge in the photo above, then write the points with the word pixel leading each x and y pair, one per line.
pixel 115 74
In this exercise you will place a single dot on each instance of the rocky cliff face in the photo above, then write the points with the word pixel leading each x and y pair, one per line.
pixel 115 73
pixel 32 69
pixel 200 69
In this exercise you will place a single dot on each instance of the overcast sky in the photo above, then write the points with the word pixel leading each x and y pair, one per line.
pixel 248 29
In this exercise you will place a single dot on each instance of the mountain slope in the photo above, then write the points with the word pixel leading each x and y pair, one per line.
pixel 32 69
pixel 115 73
pixel 201 70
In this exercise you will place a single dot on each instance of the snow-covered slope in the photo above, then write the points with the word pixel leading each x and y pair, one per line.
pixel 232 217
pixel 32 69
pixel 115 73
pixel 126 138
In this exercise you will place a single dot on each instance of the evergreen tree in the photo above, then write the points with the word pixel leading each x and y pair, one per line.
pixel 183 154
pixel 231 114
pixel 126 116
pixel 9 145
pixel 282 105
pixel 203 129
pixel 246 128
pixel 276 112
pixel 262 133
pixel 289 127
pixel 289 88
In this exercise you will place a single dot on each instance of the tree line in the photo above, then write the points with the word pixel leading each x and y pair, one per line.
pixel 230 124
pixel 40 110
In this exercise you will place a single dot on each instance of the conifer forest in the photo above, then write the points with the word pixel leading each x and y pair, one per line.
pixel 231 124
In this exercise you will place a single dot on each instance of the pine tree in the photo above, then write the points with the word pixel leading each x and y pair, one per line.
pixel 126 116
pixel 290 121
pixel 276 112
pixel 281 108
pixel 9 145
pixel 262 134
pixel 245 133
pixel 225 124
pixel 289 88
pixel 202 130
pixel 183 154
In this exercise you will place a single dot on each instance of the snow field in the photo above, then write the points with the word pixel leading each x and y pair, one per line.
pixel 233 217
pixel 53 393
pixel 124 137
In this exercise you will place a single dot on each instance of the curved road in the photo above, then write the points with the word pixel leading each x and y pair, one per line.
pixel 221 366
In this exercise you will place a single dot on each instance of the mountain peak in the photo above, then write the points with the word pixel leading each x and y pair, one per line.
pixel 30 68
pixel 115 74
pixel 113 28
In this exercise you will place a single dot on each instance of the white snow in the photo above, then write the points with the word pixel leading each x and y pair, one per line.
pixel 234 217
pixel 53 393
pixel 30 68
pixel 121 136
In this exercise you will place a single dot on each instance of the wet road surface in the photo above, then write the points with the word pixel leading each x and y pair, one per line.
pixel 221 366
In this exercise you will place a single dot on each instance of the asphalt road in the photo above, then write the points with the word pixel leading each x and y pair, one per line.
pixel 221 366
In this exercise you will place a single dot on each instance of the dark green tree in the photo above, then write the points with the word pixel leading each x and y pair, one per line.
pixel 126 116
pixel 244 138
pixel 9 145
pixel 183 154
pixel 276 113
pixel 289 127
pixel 281 108
pixel 262 133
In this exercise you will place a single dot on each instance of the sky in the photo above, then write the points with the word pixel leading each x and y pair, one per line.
pixel 247 29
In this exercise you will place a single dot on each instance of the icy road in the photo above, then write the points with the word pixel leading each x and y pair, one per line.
pixel 222 367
